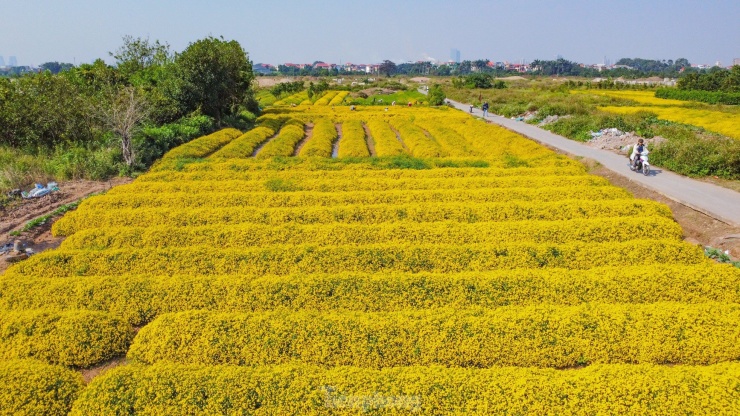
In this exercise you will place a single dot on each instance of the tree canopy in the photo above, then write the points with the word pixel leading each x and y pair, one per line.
pixel 215 76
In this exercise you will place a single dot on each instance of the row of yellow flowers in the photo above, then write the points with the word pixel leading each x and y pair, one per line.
pixel 326 98
pixel 283 260
pixel 444 232
pixel 452 142
pixel 283 144
pixel 361 213
pixel 358 183
pixel 339 98
pixel 202 146
pixel 296 98
pixel 315 199
pixel 240 170
pixel 245 145
pixel 354 140
pixel 140 298
pixel 321 141
pixel 523 336
pixel 613 389
pixel 385 139
pixel 77 338
pixel 414 138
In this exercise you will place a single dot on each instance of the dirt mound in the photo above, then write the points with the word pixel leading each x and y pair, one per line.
pixel 619 141
pixel 421 80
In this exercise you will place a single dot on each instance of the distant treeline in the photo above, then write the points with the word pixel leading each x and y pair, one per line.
pixel 626 67
pixel 716 79
pixel 711 97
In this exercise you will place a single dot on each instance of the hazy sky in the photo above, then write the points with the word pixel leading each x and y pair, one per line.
pixel 278 31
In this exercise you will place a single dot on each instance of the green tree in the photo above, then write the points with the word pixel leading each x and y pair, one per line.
pixel 436 95
pixel 56 67
pixel 215 76
pixel 138 55
pixel 387 68
pixel 479 80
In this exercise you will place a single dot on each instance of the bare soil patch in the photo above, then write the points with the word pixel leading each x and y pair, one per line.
pixel 90 373
pixel 421 80
pixel 335 146
pixel 398 137
pixel 17 214
pixel 378 91
pixel 369 140
pixel 266 82
pixel 307 133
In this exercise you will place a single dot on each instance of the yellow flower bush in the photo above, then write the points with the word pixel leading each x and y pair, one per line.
pixel 306 389
pixel 414 138
pixel 443 232
pixel 140 298
pixel 76 338
pixel 359 183
pixel 339 98
pixel 404 257
pixel 290 134
pixel 530 336
pixel 353 143
pixel 245 145
pixel 31 387
pixel 322 140
pixel 202 146
pixel 386 142
pixel 360 213
pixel 314 199
pixel 326 98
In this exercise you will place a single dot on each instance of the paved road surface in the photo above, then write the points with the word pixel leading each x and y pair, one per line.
pixel 715 201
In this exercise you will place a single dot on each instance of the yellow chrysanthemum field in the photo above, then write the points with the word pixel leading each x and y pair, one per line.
pixel 400 260
pixel 711 118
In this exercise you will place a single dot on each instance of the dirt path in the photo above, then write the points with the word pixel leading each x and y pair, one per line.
pixel 335 146
pixel 369 140
pixel 398 137
pixel 307 134
pixel 263 144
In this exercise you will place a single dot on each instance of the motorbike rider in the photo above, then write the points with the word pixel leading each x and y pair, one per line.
pixel 637 151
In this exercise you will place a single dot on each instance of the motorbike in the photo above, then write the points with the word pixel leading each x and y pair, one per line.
pixel 641 163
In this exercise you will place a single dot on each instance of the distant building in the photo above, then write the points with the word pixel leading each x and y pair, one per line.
pixel 2 61
pixel 735 61
pixel 264 69
pixel 12 62
pixel 455 55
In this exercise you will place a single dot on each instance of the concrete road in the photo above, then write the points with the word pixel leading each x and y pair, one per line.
pixel 715 201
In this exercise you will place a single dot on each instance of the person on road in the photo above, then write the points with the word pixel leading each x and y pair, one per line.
pixel 637 151
pixel 485 109
pixel 471 108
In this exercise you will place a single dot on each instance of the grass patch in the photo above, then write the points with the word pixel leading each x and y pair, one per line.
pixel 36 222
